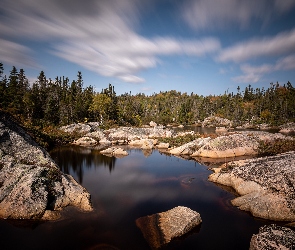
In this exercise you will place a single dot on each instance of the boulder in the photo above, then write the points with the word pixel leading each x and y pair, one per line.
pixel 113 151
pixel 287 128
pixel 153 124
pixel 215 121
pixel 190 147
pixel 163 145
pixel 159 229
pixel 85 141
pixel 236 144
pixel 32 186
pixel 77 127
pixel 266 185
pixel 143 143
pixel 273 237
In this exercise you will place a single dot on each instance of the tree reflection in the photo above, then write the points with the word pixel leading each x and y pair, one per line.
pixel 75 159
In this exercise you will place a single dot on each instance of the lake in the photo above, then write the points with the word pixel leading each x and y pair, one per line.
pixel 125 189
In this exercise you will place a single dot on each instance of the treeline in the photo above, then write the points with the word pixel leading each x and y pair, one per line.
pixel 61 101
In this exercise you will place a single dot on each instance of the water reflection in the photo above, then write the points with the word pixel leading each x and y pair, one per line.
pixel 81 158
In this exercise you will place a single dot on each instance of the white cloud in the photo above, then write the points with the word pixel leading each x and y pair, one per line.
pixel 98 35
pixel 252 74
pixel 204 14
pixel 15 54
pixel 278 45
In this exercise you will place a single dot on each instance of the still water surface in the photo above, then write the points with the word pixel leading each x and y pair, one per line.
pixel 125 189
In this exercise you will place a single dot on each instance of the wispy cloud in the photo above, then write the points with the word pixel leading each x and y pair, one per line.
pixel 282 43
pixel 99 35
pixel 252 74
pixel 204 14
pixel 16 54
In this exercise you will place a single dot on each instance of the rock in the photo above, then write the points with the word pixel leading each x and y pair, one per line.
pixel 221 129
pixel 77 127
pixel 143 143
pixel 273 237
pixel 190 147
pixel 287 128
pixel 236 144
pixel 180 126
pixel 105 141
pixel 215 121
pixel 85 141
pixel 179 134
pixel 163 145
pixel 32 186
pixel 266 185
pixel 159 229
pixel 97 135
pixel 113 151
pixel 153 124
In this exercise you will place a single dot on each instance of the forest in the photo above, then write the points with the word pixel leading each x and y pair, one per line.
pixel 59 101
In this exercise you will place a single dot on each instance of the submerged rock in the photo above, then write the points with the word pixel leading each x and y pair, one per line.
pixel 32 186
pixel 273 237
pixel 266 185
pixel 159 229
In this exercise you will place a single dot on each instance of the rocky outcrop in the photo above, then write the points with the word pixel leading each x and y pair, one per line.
pixel 31 184
pixel 236 144
pixel 273 237
pixel 190 147
pixel 215 121
pixel 159 229
pixel 229 146
pixel 85 141
pixel 266 185
pixel 287 128
pixel 114 151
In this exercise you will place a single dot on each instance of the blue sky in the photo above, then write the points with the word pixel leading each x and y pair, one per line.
pixel 147 46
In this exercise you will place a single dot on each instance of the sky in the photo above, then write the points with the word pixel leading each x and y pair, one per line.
pixel 147 46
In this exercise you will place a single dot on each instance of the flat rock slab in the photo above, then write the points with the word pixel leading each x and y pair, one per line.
pixel 273 237
pixel 266 185
pixel 160 228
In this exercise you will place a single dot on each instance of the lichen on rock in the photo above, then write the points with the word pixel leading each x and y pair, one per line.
pixel 32 186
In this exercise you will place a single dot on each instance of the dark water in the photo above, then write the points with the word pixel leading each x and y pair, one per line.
pixel 125 189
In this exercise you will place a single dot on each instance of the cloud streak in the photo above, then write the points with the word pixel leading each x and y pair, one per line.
pixel 252 74
pixel 98 36
pixel 280 44
pixel 204 14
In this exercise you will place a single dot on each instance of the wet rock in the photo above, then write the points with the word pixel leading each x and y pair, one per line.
pixel 266 185
pixel 215 121
pixel 273 237
pixel 113 151
pixel 31 183
pixel 85 141
pixel 159 229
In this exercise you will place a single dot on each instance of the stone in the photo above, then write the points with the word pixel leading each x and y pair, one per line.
pixel 159 229
pixel 265 185
pixel 114 151
pixel 153 124
pixel 32 186
pixel 215 121
pixel 273 237
pixel 85 141
pixel 163 145
pixel 190 147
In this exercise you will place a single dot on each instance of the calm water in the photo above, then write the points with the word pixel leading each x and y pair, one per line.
pixel 125 189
